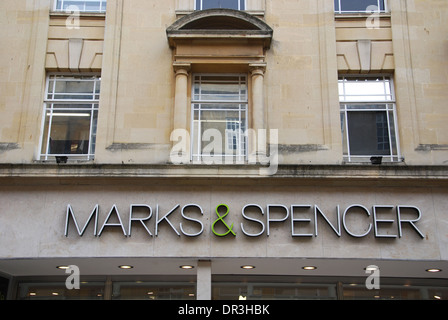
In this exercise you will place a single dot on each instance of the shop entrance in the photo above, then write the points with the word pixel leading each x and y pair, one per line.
pixel 3 288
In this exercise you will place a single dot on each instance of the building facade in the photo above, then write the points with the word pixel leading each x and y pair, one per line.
pixel 231 149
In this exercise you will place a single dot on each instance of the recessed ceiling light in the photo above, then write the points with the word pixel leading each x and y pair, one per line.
pixel 433 270
pixel 125 267
pixel 371 268
pixel 187 267
pixel 62 267
pixel 438 297
pixel 247 267
pixel 309 268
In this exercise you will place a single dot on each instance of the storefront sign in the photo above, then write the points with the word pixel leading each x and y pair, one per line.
pixel 355 220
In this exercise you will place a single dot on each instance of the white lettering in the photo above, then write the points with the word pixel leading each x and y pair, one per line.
pixel 141 220
pixel 243 212
pixel 295 220
pixel 356 220
pixel 107 224
pixel 245 309
pixel 206 311
pixel 410 222
pixel 165 217
pixel 268 215
pixel 192 220
pixel 71 214
pixel 345 225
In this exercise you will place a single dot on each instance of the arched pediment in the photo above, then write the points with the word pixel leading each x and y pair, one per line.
pixel 219 23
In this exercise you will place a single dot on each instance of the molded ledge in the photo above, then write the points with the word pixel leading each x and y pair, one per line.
pixel 219 24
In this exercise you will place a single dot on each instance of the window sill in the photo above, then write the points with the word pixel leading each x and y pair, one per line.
pixel 63 14
pixel 360 15
pixel 386 160
pixel 52 160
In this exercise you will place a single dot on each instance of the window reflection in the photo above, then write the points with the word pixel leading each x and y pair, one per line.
pixel 342 6
pixel 70 117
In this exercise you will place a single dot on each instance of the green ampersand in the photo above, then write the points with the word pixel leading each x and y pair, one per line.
pixel 221 218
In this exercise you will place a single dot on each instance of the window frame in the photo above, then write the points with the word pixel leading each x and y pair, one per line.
pixel 386 8
pixel 386 105
pixel 49 110
pixel 197 156
pixel 242 5
pixel 58 6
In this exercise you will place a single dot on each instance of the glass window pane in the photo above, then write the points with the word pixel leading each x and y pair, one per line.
pixel 93 6
pixel 368 133
pixel 79 90
pixel 210 4
pixel 359 292
pixel 393 135
pixel 365 89
pixel 219 127
pixel 368 128
pixel 70 132
pixel 221 133
pixel 225 4
pixel 59 291
pixel 45 146
pixel 153 291
pixel 71 4
pixel 70 124
pixel 81 5
pixel 358 5
pixel 272 291
pixel 210 88
pixel 344 134
pixel 73 88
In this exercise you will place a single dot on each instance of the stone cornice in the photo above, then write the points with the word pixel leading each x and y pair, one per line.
pixel 382 175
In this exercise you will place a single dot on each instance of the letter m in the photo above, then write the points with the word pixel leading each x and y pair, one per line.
pixel 71 214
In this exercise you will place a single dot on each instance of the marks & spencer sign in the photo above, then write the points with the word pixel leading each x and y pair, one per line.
pixel 251 220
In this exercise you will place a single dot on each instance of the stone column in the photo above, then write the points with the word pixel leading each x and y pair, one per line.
pixel 204 280
pixel 258 144
pixel 181 95
pixel 180 153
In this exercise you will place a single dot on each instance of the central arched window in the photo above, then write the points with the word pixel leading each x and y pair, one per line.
pixel 223 4
pixel 221 54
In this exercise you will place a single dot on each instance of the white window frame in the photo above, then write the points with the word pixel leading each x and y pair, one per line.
pixel 81 5
pixel 90 110
pixel 339 11
pixel 244 2
pixel 243 115
pixel 384 102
